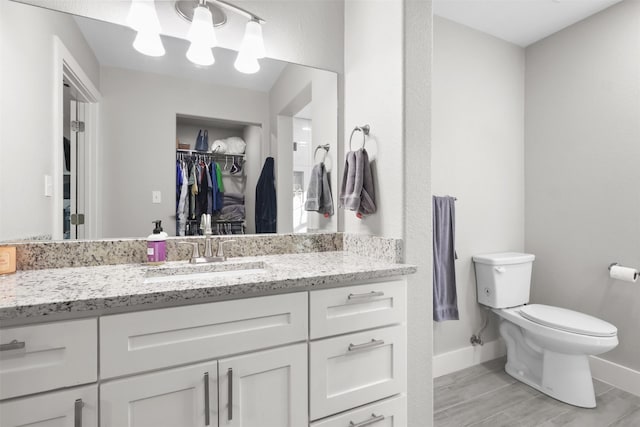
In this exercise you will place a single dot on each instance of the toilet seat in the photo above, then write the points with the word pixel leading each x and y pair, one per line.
pixel 568 320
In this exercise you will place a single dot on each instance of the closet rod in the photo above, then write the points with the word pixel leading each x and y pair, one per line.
pixel 205 153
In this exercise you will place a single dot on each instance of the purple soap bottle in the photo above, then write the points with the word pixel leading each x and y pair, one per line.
pixel 157 244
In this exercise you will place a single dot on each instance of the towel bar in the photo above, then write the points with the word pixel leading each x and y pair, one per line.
pixel 365 132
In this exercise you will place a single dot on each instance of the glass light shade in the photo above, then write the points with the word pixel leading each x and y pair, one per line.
pixel 200 54
pixel 149 43
pixel 246 64
pixel 201 30
pixel 252 43
pixel 142 16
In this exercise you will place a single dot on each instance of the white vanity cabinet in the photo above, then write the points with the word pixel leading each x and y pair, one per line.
pixel 328 357
pixel 255 388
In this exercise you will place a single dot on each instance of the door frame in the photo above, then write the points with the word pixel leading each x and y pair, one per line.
pixel 66 66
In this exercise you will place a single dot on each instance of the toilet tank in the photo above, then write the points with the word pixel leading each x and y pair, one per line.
pixel 503 279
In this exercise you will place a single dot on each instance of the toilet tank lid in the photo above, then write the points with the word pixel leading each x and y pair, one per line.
pixel 504 258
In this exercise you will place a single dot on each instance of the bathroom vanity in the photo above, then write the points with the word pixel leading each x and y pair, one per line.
pixel 313 339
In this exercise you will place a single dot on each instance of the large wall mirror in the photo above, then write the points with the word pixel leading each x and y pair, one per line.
pixel 95 134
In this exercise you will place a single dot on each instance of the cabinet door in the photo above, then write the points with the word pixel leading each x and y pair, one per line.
pixel 69 408
pixel 185 397
pixel 265 389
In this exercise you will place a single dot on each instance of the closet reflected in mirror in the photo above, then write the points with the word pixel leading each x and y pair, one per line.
pixel 136 110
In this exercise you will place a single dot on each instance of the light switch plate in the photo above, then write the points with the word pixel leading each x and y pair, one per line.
pixel 156 197
pixel 48 185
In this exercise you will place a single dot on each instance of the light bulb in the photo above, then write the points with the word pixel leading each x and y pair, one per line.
pixel 149 43
pixel 246 64
pixel 201 30
pixel 143 17
pixel 200 54
pixel 252 43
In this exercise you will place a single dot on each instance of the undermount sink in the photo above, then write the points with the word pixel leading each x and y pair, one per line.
pixel 182 271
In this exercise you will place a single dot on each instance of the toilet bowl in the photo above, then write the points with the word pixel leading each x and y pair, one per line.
pixel 547 347
pixel 552 357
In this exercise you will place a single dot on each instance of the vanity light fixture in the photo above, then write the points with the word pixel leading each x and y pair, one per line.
pixel 143 18
pixel 202 36
pixel 251 49
pixel 211 13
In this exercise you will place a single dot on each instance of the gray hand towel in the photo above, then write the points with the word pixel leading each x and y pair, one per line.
pixel 357 192
pixel 445 301
pixel 326 202
pixel 350 189
pixel 319 197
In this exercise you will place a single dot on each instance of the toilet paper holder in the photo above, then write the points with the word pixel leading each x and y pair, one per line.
pixel 613 264
pixel 626 274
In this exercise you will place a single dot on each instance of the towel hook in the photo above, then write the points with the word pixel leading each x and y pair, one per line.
pixel 365 132
pixel 324 147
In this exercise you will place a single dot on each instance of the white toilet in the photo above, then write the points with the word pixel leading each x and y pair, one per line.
pixel 547 347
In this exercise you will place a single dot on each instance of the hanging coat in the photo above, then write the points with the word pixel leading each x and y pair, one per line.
pixel 266 210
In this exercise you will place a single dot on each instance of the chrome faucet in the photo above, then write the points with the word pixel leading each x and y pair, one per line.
pixel 208 252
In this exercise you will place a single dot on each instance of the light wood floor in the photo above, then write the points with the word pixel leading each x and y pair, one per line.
pixel 485 395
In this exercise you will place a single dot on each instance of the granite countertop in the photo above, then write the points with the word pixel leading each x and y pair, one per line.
pixel 34 293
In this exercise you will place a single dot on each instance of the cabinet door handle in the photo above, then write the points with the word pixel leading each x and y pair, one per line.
pixel 374 419
pixel 370 344
pixel 371 294
pixel 230 392
pixel 77 413
pixel 13 345
pixel 206 399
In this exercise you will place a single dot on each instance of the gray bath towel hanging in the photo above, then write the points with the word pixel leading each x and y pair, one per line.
pixel 445 302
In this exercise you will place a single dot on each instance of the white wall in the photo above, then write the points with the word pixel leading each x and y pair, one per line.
pixel 138 136
pixel 582 169
pixel 478 157
pixel 26 102
pixel 387 85
pixel 418 29
pixel 374 96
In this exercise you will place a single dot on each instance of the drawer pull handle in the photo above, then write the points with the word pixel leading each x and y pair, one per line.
pixel 77 413
pixel 370 344
pixel 13 345
pixel 371 294
pixel 230 392
pixel 374 419
pixel 206 399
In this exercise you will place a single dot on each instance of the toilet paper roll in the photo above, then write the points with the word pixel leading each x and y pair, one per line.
pixel 624 273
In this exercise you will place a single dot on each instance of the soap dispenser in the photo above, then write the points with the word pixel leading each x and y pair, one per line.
pixel 157 244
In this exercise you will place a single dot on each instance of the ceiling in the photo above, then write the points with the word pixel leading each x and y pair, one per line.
pixel 521 22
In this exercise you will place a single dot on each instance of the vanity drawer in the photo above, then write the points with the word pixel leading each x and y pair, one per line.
pixel 47 356
pixel 343 310
pixel 387 413
pixel 356 369
pixel 143 341
pixel 70 407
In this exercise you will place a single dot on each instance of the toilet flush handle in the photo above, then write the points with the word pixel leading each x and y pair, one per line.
pixel 500 269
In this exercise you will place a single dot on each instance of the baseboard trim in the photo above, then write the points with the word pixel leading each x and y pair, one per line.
pixel 617 375
pixel 466 357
